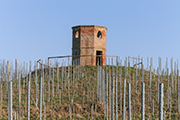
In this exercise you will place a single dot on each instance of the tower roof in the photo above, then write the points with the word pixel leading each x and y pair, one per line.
pixel 88 26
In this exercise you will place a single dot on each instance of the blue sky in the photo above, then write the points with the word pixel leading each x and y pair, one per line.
pixel 35 29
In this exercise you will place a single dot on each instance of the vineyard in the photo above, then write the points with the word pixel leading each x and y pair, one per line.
pixel 58 89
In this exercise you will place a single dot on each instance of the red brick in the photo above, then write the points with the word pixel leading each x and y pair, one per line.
pixel 88 43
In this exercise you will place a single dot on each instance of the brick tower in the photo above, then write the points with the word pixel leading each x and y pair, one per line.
pixel 89 41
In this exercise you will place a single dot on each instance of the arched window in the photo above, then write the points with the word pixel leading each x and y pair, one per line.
pixel 99 35
pixel 76 34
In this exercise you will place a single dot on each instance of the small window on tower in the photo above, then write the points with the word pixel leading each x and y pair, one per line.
pixel 76 34
pixel 99 35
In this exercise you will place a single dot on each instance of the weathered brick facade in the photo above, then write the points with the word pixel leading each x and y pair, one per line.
pixel 89 41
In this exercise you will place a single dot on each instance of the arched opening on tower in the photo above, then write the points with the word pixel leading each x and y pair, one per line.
pixel 99 35
pixel 76 34
pixel 98 57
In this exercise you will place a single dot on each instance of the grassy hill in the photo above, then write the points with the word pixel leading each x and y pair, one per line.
pixel 74 93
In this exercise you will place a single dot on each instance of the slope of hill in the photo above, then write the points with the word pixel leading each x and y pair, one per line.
pixel 89 92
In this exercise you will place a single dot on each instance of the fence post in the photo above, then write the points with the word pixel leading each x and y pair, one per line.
pixel 113 98
pixel 178 91
pixel 1 93
pixel 150 79
pixel 125 69
pixel 175 73
pixel 7 73
pixel 28 101
pixel 161 101
pixel 116 90
pixel 143 101
pixel 109 94
pixel 172 74
pixel 142 67
pixel 170 103
pixel 124 100
pixel 158 69
pixel 62 76
pixel 168 87
pixel 49 78
pixel 68 78
pixel 65 75
pixel 136 76
pixel 106 94
pixel 19 86
pixel 10 117
pixel 120 91
pixel 129 99
pixel 113 90
pixel 16 75
pixel 28 95
pixel 36 84
pixel 57 73
pixel 40 101
pixel 53 84
pixel 97 81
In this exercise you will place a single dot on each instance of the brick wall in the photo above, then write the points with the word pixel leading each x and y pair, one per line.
pixel 88 42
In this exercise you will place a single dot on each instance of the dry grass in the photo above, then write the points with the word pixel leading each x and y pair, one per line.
pixel 84 91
